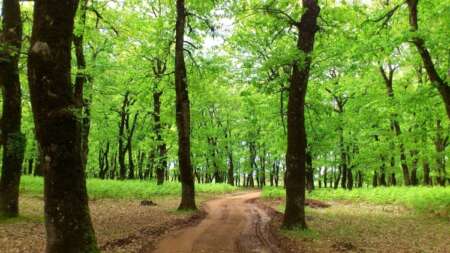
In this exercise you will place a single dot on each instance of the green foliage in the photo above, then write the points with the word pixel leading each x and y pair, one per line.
pixel 239 57
pixel 434 200
pixel 130 189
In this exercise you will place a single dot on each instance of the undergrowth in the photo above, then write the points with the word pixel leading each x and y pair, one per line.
pixel 127 189
pixel 421 199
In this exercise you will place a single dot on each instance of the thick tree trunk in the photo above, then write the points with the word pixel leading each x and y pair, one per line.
pixel 58 130
pixel 183 113
pixel 294 215
pixel 11 137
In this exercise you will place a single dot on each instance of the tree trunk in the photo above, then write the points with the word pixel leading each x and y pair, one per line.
pixel 426 173
pixel 30 166
pixel 415 162
pixel 309 172
pixel 440 144
pixel 349 180
pixel 360 179
pixel 11 137
pixel 122 147
pixel 81 81
pixel 130 133
pixel 375 179
pixel 393 180
pixel 294 215
pixel 395 125
pixel 58 130
pixel 344 159
pixel 183 113
pixel 161 163
pixel 230 167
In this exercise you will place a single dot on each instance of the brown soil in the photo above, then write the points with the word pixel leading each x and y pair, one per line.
pixel 123 226
pixel 233 224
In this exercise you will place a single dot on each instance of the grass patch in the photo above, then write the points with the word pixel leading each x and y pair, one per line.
pixel 300 233
pixel 421 199
pixel 21 219
pixel 128 189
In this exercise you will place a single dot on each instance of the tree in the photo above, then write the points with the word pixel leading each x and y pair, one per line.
pixel 11 137
pixel 440 83
pixel 58 128
pixel 388 77
pixel 183 113
pixel 294 215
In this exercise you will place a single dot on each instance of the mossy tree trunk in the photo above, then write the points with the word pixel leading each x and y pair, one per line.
pixel 11 137
pixel 58 128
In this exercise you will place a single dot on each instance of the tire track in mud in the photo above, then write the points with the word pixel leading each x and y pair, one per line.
pixel 232 224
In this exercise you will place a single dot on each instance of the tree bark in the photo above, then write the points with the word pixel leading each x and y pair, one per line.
pixel 309 172
pixel 183 113
pixel 58 129
pixel 122 147
pixel 81 81
pixel 11 137
pixel 161 145
pixel 426 172
pixel 441 143
pixel 343 154
pixel 230 172
pixel 294 215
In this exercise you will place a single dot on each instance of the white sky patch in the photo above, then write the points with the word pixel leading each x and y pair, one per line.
pixel 224 28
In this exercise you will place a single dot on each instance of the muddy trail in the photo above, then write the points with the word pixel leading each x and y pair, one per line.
pixel 233 224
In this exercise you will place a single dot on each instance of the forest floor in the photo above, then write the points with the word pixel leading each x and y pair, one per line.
pixel 351 226
pixel 232 224
pixel 121 225
pixel 238 222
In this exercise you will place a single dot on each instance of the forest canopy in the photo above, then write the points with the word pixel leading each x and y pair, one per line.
pixel 331 93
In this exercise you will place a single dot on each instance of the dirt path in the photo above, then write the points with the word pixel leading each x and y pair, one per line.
pixel 233 224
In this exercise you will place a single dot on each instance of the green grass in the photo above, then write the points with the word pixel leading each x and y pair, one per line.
pixel 300 233
pixel 128 189
pixel 421 199
pixel 21 219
